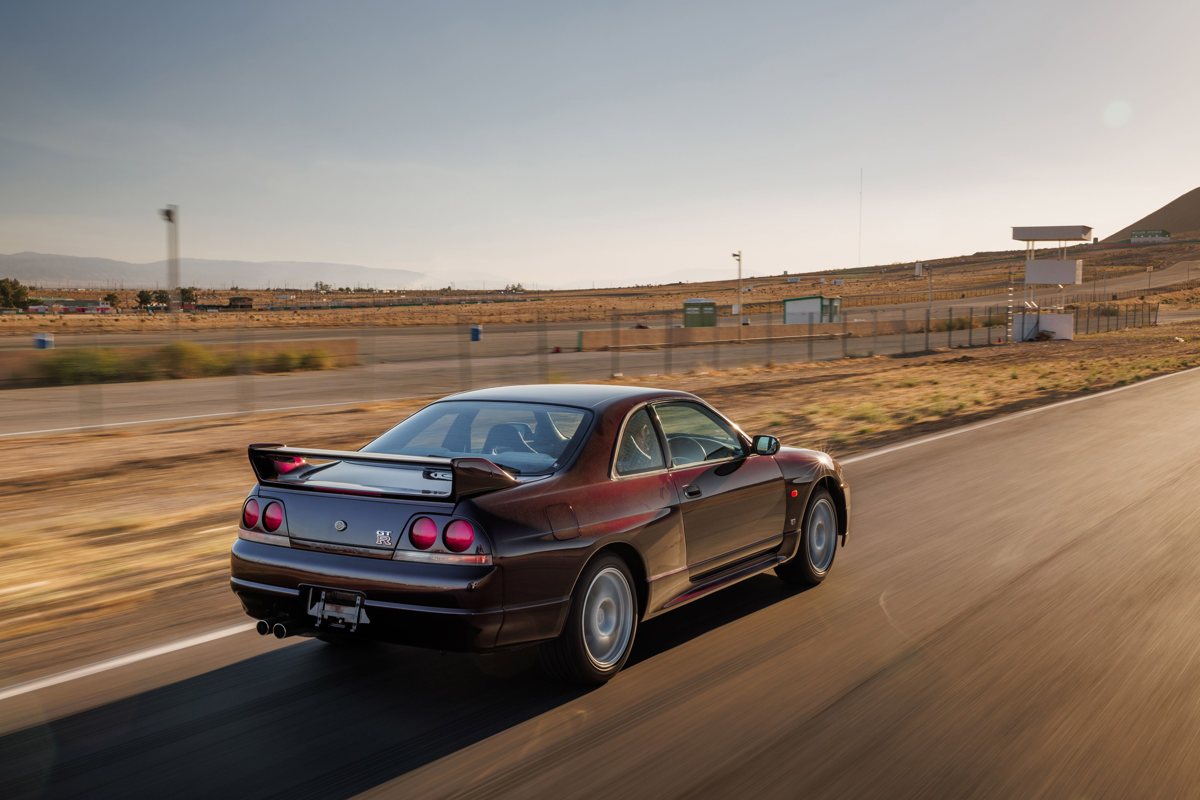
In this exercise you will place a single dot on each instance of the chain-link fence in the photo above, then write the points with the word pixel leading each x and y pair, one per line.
pixel 379 363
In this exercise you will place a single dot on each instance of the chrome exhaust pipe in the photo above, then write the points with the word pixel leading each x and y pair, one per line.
pixel 265 626
pixel 284 628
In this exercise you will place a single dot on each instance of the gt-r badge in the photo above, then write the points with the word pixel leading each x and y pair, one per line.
pixel 383 537
pixel 340 525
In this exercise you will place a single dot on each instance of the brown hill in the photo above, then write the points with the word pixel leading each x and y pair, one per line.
pixel 1181 215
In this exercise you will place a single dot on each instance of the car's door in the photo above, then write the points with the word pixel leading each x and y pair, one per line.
pixel 732 501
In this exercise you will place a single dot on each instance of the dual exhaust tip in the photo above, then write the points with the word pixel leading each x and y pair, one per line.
pixel 281 627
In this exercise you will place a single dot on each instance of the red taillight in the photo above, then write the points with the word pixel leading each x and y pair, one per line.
pixel 272 517
pixel 423 533
pixel 459 536
pixel 250 514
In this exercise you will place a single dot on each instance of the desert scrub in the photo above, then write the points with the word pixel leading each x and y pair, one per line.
pixel 868 412
pixel 177 360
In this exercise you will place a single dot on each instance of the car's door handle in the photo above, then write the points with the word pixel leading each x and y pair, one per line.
pixel 692 490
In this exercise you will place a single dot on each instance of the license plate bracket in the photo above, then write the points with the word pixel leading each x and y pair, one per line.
pixel 335 608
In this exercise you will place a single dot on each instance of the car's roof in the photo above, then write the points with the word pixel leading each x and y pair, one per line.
pixel 584 395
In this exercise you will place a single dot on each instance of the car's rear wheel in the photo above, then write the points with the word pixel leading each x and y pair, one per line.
pixel 600 628
pixel 818 542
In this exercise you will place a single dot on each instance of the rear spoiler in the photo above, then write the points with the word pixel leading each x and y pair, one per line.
pixel 283 466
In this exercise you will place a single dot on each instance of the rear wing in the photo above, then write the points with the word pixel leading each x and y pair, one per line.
pixel 425 477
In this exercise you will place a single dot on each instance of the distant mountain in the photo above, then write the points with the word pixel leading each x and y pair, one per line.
pixel 1181 215
pixel 39 269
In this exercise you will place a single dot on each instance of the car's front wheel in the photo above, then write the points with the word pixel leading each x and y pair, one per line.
pixel 602 622
pixel 818 542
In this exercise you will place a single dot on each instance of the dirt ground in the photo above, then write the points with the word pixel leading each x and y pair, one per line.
pixel 108 534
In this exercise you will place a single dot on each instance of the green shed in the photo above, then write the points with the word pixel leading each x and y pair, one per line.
pixel 699 313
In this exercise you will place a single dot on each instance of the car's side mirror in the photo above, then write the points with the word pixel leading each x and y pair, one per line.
pixel 765 445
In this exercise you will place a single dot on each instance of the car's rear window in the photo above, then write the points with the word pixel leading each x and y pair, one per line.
pixel 524 438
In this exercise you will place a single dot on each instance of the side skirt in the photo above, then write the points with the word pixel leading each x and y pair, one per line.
pixel 735 573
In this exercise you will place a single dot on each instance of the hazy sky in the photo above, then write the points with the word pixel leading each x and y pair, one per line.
pixel 565 143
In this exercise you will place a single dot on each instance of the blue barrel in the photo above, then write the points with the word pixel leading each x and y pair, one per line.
pixel 476 333
pixel 43 341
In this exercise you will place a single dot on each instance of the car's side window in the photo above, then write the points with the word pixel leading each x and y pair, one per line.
pixel 639 450
pixel 695 434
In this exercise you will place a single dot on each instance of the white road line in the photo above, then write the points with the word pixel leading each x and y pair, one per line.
pixel 183 644
pixel 214 530
pixel 122 661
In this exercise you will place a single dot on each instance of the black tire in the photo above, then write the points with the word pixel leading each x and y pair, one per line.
pixel 601 625
pixel 818 542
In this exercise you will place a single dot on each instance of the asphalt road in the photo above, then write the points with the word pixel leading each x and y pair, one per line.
pixel 1014 616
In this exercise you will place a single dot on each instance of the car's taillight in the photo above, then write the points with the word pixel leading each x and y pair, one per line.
pixel 423 533
pixel 250 514
pixel 272 517
pixel 459 536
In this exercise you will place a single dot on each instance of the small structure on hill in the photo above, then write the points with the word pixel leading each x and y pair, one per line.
pixel 1048 271
pixel 815 308
pixel 699 313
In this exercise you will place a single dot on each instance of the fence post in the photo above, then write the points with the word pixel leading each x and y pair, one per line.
pixel 970 326
pixel 845 337
pixel 367 354
pixel 464 355
pixel 670 345
pixel 543 356
pixel 950 327
pixel 615 344
pixel 811 333
pixel 717 345
pixel 245 381
pixel 928 320
pixel 770 335
pixel 903 331
pixel 874 331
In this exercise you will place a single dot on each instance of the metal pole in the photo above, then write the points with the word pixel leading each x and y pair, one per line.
pixel 670 345
pixel 716 344
pixel 171 215
pixel 811 335
pixel 770 335
pixel 950 327
pixel 927 326
pixel 615 345
pixel 543 356
pixel 874 331
pixel 903 331
pixel 464 355
pixel 845 337
pixel 1009 316
pixel 738 304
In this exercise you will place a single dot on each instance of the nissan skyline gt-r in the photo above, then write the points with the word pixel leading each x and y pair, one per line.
pixel 554 514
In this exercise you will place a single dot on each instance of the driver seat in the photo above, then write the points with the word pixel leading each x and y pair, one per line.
pixel 508 437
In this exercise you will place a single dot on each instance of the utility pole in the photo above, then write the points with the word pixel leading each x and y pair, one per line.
pixel 738 257
pixel 171 215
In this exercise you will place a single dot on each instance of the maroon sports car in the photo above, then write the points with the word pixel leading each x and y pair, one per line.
pixel 558 514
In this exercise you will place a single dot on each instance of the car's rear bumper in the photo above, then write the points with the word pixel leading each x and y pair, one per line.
pixel 443 606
